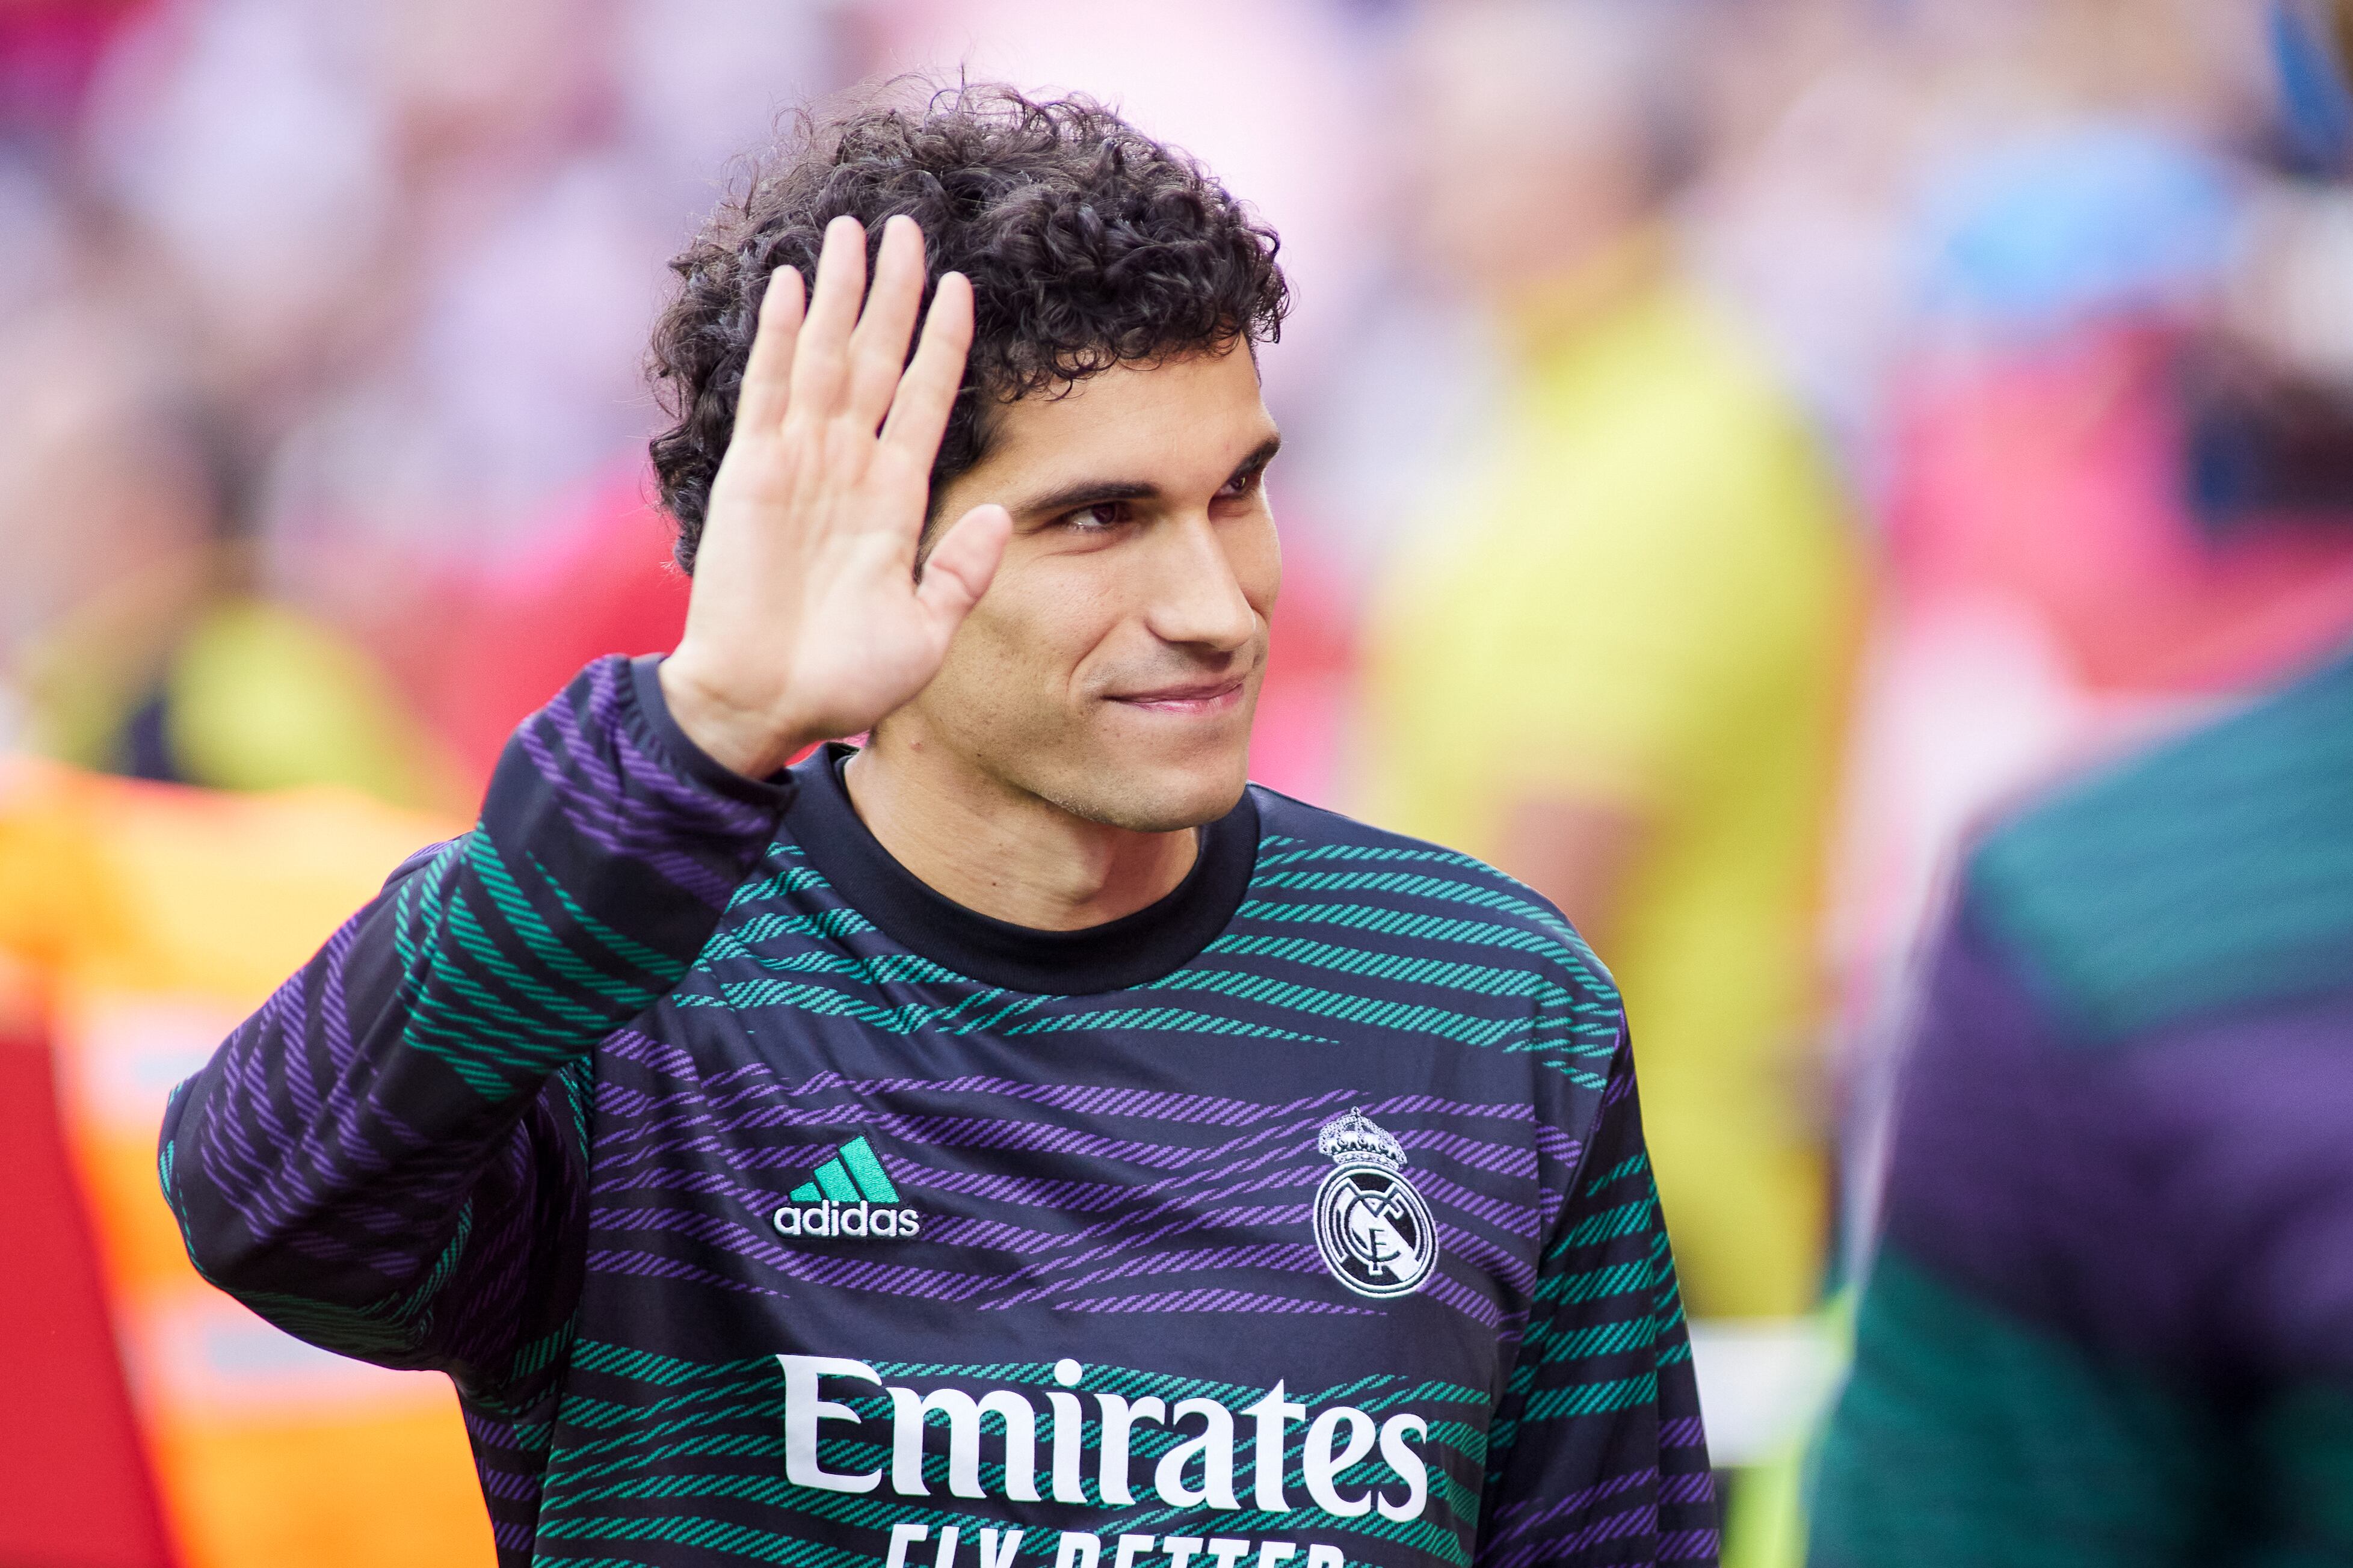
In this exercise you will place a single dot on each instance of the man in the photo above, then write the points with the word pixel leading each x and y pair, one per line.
pixel 138 641
pixel 1616 662
pixel 1017 1141
pixel 2111 1320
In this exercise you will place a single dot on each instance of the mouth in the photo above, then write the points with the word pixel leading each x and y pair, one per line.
pixel 1193 700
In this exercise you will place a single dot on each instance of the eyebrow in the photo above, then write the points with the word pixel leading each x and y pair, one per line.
pixel 1096 492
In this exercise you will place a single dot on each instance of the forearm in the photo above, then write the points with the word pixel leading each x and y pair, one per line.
pixel 362 1140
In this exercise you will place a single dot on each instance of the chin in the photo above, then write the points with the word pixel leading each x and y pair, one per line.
pixel 1161 798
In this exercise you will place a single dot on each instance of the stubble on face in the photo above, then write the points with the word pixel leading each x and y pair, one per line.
pixel 1113 669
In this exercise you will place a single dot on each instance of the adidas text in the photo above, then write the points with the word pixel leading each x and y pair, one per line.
pixel 850 1194
pixel 828 1217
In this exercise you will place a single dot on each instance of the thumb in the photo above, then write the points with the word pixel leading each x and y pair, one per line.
pixel 958 570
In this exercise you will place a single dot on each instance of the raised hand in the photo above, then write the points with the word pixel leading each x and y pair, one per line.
pixel 807 621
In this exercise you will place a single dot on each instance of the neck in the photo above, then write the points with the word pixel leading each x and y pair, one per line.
pixel 1001 851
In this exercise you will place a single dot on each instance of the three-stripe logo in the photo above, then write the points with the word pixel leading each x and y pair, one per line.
pixel 852 1174
pixel 848 1195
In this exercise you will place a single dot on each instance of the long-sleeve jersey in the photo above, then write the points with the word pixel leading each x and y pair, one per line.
pixel 2111 1323
pixel 766 1206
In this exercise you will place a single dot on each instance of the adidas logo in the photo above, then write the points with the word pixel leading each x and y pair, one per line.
pixel 850 1194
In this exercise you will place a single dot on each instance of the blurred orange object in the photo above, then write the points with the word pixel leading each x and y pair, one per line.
pixel 142 921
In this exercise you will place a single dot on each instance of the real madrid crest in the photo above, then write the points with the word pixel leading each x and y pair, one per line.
pixel 1371 1226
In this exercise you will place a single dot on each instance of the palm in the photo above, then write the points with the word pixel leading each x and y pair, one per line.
pixel 806 618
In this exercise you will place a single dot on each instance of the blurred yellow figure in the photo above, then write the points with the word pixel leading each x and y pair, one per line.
pixel 1638 631
pixel 1616 665
pixel 248 695
pixel 133 637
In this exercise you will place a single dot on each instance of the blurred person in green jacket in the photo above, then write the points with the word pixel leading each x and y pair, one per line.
pixel 1615 660
pixel 132 638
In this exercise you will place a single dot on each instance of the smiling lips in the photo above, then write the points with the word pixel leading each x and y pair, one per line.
pixel 1195 699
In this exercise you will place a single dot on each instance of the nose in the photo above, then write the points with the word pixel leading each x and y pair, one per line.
pixel 1197 597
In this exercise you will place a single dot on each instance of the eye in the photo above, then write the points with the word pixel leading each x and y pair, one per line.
pixel 1100 518
pixel 1241 486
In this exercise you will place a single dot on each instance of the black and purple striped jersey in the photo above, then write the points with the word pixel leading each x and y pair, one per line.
pixel 766 1206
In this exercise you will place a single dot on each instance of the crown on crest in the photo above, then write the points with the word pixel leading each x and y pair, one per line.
pixel 1352 1138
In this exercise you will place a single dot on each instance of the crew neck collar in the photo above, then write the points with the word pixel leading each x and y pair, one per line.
pixel 1163 936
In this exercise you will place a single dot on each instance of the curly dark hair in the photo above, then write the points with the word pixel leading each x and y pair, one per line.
pixel 1089 245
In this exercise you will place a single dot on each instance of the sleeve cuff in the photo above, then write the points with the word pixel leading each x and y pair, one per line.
pixel 689 761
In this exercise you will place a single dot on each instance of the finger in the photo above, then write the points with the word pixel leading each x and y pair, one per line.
pixel 878 349
pixel 821 357
pixel 767 374
pixel 927 392
pixel 960 567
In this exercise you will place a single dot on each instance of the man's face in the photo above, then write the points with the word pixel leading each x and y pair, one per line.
pixel 1113 665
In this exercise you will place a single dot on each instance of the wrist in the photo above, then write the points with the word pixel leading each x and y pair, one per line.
pixel 742 737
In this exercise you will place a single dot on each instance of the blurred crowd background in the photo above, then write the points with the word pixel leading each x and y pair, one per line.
pixel 1736 451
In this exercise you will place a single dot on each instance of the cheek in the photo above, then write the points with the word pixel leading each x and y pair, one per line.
pixel 1023 645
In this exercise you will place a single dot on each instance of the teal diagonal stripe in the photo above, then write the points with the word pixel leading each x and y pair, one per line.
pixel 837 1182
pixel 868 1172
